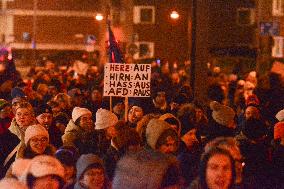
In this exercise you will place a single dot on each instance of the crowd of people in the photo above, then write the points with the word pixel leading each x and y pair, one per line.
pixel 57 131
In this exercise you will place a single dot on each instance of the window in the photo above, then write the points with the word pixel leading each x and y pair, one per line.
pixel 245 16
pixel 145 50
pixel 277 7
pixel 277 49
pixel 144 15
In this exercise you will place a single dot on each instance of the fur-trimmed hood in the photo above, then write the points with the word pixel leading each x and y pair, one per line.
pixel 154 130
pixel 169 116
pixel 145 169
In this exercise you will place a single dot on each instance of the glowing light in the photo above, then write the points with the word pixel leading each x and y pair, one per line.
pixel 174 15
pixel 99 17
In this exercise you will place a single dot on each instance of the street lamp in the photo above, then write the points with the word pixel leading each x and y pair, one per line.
pixel 174 15
pixel 99 17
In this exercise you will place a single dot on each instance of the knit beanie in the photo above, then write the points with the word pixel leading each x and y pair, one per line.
pixel 44 165
pixel 35 130
pixel 85 161
pixel 280 115
pixel 43 108
pixel 105 119
pixel 78 112
pixel 154 130
pixel 17 92
pixel 12 183
pixel 223 115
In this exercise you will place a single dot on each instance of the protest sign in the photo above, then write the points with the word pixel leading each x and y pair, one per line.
pixel 127 80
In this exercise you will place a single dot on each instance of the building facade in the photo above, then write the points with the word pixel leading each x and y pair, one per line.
pixel 243 33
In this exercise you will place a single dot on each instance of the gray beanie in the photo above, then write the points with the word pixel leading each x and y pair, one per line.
pixel 105 119
pixel 154 130
pixel 85 161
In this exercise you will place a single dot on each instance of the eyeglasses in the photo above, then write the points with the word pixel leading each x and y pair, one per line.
pixel 39 140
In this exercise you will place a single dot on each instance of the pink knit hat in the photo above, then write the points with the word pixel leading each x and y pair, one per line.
pixel 35 130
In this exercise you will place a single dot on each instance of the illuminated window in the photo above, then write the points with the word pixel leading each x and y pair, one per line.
pixel 277 49
pixel 145 50
pixel 144 15
pixel 245 16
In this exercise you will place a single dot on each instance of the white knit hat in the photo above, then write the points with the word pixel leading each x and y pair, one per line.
pixel 44 165
pixel 12 183
pixel 280 115
pixel 35 130
pixel 222 114
pixel 105 119
pixel 78 112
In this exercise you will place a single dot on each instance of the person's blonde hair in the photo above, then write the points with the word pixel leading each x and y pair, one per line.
pixel 26 105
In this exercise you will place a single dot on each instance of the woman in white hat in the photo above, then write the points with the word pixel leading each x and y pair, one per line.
pixel 80 124
pixel 36 143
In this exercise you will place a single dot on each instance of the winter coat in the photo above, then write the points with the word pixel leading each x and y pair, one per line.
pixel 24 153
pixel 72 133
pixel 8 141
pixel 15 129
pixel 257 170
pixel 111 158
pixel 86 142
pixel 13 143
pixel 146 169
pixel 278 163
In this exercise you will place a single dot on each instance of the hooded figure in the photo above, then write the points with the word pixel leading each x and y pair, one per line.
pixel 90 171
pixel 212 178
pixel 149 167
pixel 74 131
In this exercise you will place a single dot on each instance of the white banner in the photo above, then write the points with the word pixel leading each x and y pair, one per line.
pixel 127 80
